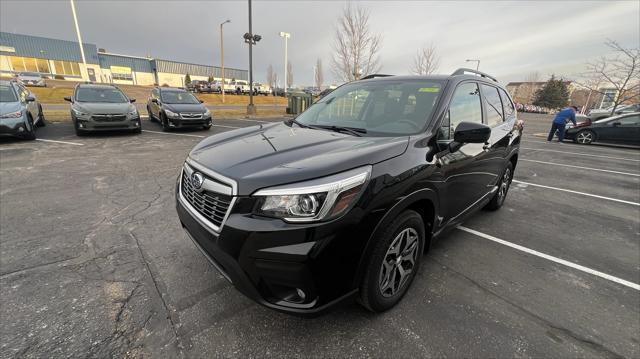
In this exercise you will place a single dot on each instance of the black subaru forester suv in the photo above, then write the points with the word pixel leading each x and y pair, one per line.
pixel 343 200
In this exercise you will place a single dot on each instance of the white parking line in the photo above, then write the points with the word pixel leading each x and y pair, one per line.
pixel 246 119
pixel 580 193
pixel 583 168
pixel 173 133
pixel 580 154
pixel 62 142
pixel 552 258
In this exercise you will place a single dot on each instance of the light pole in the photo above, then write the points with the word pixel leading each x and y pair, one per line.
pixel 476 61
pixel 286 37
pixel 222 58
pixel 75 20
pixel 251 39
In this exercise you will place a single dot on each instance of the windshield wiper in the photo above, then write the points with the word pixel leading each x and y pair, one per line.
pixel 293 120
pixel 355 131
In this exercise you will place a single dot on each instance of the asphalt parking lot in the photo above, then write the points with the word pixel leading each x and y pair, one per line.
pixel 94 262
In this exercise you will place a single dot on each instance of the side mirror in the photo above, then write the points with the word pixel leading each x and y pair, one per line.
pixel 471 132
pixel 154 100
pixel 30 98
pixel 68 98
pixel 132 100
pixel 201 101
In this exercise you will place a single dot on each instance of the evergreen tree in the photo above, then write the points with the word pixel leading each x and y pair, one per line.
pixel 554 94
pixel 210 79
pixel 187 80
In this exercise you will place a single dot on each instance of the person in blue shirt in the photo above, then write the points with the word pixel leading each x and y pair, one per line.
pixel 560 122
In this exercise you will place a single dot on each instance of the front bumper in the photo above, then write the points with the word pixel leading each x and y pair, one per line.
pixel 16 127
pixel 301 269
pixel 86 124
pixel 182 123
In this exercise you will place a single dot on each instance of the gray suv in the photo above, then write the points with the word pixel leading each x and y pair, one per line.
pixel 20 112
pixel 102 108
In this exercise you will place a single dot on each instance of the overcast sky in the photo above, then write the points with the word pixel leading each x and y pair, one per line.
pixel 511 39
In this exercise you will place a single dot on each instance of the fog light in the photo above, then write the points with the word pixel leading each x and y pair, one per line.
pixel 81 125
pixel 301 294
pixel 20 129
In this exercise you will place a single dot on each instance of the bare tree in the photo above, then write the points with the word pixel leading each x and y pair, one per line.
pixel 275 81
pixel 355 47
pixel 619 71
pixel 289 74
pixel 319 76
pixel 426 60
pixel 270 74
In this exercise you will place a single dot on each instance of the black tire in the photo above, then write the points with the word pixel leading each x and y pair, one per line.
pixel 503 189
pixel 372 295
pixel 584 137
pixel 206 127
pixel 41 119
pixel 31 134
pixel 137 131
pixel 164 122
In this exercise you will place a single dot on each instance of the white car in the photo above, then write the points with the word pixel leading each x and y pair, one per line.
pixel 240 86
pixel 261 89
pixel 31 79
pixel 228 87
pixel 599 114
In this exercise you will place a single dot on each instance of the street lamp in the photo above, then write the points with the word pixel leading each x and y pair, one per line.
pixel 476 61
pixel 251 39
pixel 75 20
pixel 222 57
pixel 286 37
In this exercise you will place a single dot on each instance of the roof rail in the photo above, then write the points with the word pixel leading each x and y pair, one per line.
pixel 462 71
pixel 374 76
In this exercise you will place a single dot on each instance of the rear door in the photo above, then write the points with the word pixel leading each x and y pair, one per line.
pixel 629 129
pixel 468 176
pixel 501 128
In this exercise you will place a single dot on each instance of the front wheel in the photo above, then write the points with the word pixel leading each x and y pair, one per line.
pixel 150 115
pixel 585 137
pixel 41 118
pixel 503 187
pixel 165 123
pixel 393 263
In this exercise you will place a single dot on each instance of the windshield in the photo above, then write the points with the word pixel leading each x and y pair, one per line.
pixel 178 97
pixel 30 74
pixel 7 94
pixel 380 107
pixel 108 95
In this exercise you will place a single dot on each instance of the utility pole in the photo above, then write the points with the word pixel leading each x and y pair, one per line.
pixel 222 58
pixel 75 20
pixel 286 37
pixel 251 39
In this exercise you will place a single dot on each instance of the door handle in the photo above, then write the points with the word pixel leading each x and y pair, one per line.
pixel 486 147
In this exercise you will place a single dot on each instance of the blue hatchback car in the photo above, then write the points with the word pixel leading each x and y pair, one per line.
pixel 20 112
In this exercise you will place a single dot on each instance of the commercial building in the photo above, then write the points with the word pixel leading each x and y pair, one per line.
pixel 62 59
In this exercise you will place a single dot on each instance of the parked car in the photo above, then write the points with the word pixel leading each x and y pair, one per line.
pixel 228 87
pixel 599 114
pixel 240 87
pixel 621 129
pixel 325 92
pixel 20 111
pixel 198 86
pixel 343 200
pixel 96 108
pixel 31 79
pixel 261 89
pixel 177 108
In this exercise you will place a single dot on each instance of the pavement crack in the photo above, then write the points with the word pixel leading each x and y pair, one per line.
pixel 601 349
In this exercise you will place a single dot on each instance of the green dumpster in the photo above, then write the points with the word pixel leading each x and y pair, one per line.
pixel 298 102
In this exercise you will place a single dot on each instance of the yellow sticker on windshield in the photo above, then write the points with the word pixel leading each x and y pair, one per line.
pixel 429 89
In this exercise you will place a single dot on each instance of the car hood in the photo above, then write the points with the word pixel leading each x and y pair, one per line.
pixel 181 107
pixel 8 107
pixel 105 108
pixel 275 154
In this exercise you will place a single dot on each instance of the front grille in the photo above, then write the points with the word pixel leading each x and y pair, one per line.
pixel 191 116
pixel 109 118
pixel 213 206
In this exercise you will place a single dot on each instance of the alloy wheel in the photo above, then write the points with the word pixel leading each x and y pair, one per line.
pixel 399 262
pixel 504 184
pixel 584 137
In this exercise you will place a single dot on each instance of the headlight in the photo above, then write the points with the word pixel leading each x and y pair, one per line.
pixel 314 200
pixel 133 114
pixel 207 113
pixel 78 112
pixel 171 114
pixel 16 114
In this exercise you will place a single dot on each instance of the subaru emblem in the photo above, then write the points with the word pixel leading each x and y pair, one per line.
pixel 197 180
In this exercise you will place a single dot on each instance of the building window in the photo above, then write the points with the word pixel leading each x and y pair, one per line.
pixel 67 68
pixel 17 63
pixel 43 66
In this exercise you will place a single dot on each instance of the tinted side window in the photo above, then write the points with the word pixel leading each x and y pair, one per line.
pixel 630 121
pixel 494 105
pixel 509 109
pixel 465 106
